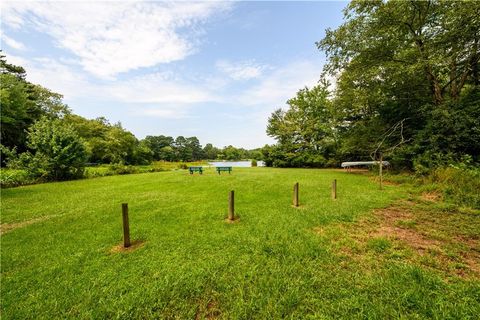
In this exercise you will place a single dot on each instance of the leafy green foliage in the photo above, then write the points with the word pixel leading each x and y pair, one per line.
pixel 14 177
pixel 407 86
pixel 306 131
pixel 23 103
pixel 210 151
pixel 57 151
pixel 161 147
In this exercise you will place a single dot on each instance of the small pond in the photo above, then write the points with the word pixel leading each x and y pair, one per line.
pixel 243 164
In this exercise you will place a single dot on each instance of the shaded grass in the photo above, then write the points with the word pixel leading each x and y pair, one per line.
pixel 276 262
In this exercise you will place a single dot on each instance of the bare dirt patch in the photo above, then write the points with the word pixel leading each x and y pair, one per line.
pixel 394 222
pixel 209 311
pixel 319 230
pixel 431 196
pixel 235 220
pixel 134 245
pixel 389 227
pixel 408 236
pixel 7 227
pixel 419 234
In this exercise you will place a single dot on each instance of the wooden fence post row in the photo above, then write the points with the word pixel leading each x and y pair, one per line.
pixel 231 209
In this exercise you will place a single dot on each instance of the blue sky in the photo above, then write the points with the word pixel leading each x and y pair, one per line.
pixel 215 70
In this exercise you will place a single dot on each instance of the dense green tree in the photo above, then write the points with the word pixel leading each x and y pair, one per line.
pixel 193 144
pixel 407 85
pixel 142 153
pixel 182 152
pixel 405 62
pixel 210 152
pixel 157 144
pixel 168 153
pixel 306 132
pixel 14 111
pixel 107 143
pixel 231 153
pixel 22 103
pixel 120 147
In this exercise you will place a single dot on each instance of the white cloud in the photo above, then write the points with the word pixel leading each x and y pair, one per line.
pixel 161 112
pixel 282 84
pixel 163 89
pixel 14 44
pixel 243 70
pixel 58 77
pixel 158 88
pixel 110 39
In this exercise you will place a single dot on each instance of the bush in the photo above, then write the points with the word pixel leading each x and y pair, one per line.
pixel 13 178
pixel 254 163
pixel 122 169
pixel 58 152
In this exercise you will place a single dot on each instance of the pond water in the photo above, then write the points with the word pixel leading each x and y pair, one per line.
pixel 243 164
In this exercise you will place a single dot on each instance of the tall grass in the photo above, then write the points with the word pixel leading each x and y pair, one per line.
pixel 459 185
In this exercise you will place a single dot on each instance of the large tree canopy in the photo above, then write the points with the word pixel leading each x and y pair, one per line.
pixel 384 42
pixel 307 131
pixel 407 83
pixel 23 103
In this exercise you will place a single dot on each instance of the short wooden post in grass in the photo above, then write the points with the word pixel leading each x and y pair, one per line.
pixel 231 206
pixel 295 195
pixel 126 227
pixel 334 189
pixel 381 171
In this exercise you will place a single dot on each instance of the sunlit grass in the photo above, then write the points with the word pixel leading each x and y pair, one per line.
pixel 275 262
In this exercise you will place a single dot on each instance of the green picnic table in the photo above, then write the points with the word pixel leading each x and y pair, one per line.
pixel 195 169
pixel 220 169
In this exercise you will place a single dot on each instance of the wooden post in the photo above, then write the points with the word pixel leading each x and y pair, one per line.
pixel 126 227
pixel 231 206
pixel 295 195
pixel 381 171
pixel 334 189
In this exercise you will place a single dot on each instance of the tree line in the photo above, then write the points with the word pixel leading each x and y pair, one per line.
pixel 406 85
pixel 41 134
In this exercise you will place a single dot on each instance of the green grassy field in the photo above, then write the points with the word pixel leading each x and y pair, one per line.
pixel 326 259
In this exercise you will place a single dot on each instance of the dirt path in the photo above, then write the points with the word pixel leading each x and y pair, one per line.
pixel 7 227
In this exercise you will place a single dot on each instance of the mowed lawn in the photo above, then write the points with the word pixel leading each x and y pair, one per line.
pixel 58 257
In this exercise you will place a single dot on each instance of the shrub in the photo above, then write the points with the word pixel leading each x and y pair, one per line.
pixel 254 163
pixel 58 152
pixel 120 168
pixel 14 178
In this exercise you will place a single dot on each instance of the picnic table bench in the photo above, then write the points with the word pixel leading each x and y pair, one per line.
pixel 195 169
pixel 351 164
pixel 220 169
